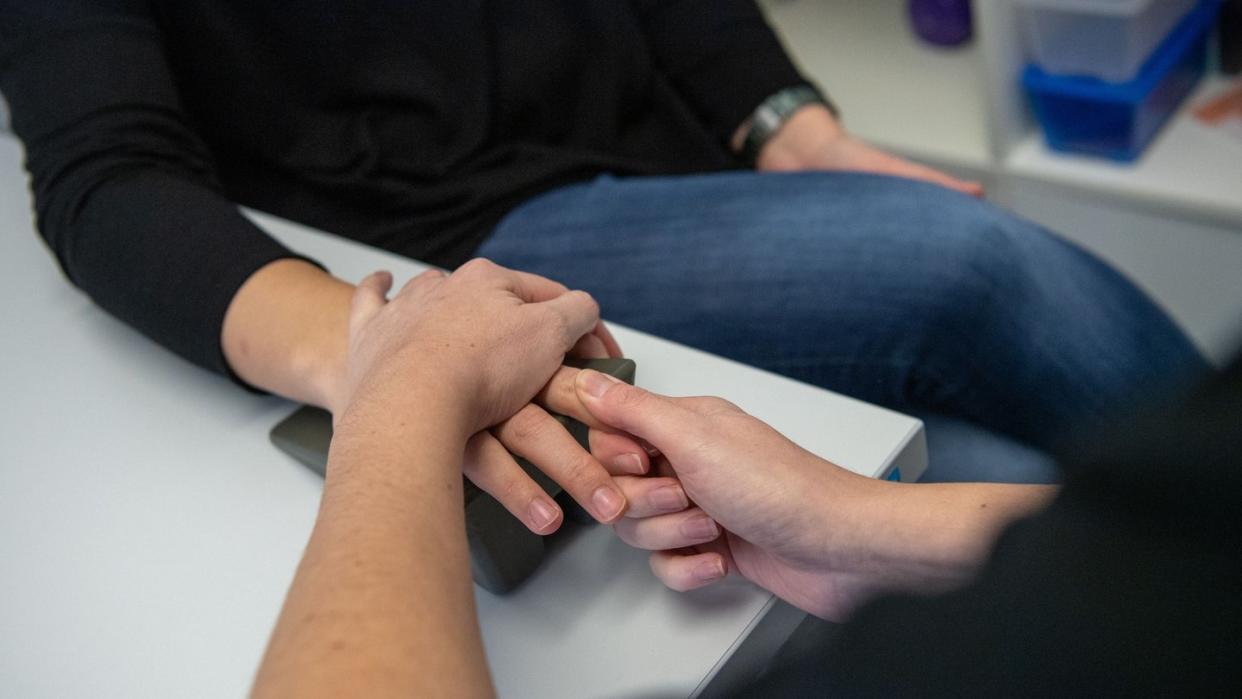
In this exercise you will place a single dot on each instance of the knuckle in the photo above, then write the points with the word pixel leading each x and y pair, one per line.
pixel 477 265
pixel 430 275
pixel 714 404
pixel 630 397
pixel 582 470
pixel 588 300
pixel 510 488
pixel 557 325
pixel 528 425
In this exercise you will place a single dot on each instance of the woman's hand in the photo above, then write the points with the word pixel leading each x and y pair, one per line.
pixel 813 140
pixel 485 339
pixel 762 505
pixel 816 535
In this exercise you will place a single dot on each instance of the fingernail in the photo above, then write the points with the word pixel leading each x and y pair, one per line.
pixel 670 498
pixel 630 463
pixel 708 571
pixel 542 513
pixel 594 383
pixel 700 528
pixel 608 502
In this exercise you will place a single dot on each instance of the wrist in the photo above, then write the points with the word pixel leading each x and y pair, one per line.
pixel 407 417
pixel 807 132
pixel 286 331
pixel 845 516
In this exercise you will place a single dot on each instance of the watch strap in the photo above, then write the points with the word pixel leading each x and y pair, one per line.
pixel 772 114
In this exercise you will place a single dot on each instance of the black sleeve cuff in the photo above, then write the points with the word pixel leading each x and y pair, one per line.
pixel 167 257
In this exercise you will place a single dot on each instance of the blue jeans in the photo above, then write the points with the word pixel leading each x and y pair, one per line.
pixel 897 292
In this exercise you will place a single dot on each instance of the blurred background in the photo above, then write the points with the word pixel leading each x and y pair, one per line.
pixel 1116 158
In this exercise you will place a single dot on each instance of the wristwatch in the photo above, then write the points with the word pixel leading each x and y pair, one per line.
pixel 772 114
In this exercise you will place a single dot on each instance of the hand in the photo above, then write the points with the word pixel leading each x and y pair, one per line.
pixel 492 336
pixel 790 520
pixel 813 140
pixel 487 338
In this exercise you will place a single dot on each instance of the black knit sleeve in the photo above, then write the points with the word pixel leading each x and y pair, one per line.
pixel 125 195
pixel 720 54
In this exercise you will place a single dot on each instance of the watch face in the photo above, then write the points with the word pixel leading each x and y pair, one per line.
pixel 767 119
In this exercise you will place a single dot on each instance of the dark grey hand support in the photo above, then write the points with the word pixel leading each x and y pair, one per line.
pixel 503 552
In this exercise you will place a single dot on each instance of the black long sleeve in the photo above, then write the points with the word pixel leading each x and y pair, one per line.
pixel 720 54
pixel 125 192
pixel 410 126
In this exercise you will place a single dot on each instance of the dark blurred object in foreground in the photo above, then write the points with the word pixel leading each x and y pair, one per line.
pixel 1230 25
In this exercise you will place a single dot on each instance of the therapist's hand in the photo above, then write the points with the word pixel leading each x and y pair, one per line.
pixel 812 139
pixel 764 507
pixel 820 537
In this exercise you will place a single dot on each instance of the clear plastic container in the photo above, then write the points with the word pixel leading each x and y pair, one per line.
pixel 1119 120
pixel 1105 39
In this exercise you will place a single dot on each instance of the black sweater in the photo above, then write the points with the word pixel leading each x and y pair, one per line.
pixel 412 125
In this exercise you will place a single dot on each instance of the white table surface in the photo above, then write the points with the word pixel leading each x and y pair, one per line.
pixel 149 530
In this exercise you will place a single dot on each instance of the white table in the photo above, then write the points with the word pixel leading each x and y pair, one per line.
pixel 148 530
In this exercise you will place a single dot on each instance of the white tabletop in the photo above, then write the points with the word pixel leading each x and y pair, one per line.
pixel 149 530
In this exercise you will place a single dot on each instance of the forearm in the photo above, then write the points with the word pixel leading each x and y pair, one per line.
pixel 286 332
pixel 931 537
pixel 382 604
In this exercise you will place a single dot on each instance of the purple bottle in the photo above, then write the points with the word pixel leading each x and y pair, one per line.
pixel 943 22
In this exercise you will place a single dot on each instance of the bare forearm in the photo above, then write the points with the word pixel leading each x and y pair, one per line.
pixel 286 332
pixel 382 604
pixel 929 537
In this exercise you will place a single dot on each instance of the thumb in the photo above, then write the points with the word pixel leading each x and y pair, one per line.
pixel 658 419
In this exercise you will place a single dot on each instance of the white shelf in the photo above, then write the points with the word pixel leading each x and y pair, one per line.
pixel 893 89
pixel 1190 167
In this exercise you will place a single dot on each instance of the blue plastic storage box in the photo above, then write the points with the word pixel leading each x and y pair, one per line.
pixel 1118 120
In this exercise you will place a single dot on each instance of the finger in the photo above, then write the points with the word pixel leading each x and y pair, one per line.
pixel 490 466
pixel 649 497
pixel 974 189
pixel 536 436
pixel 560 395
pixel 689 527
pixel 682 572
pixel 610 343
pixel 590 346
pixel 660 466
pixel 428 278
pixel 369 297
pixel 578 314
pixel 618 452
pixel 655 418
pixel 615 450
pixel 533 288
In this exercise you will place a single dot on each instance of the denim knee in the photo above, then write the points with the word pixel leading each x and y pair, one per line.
pixel 981 261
